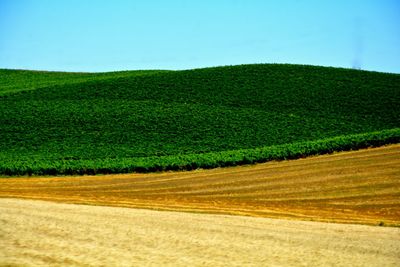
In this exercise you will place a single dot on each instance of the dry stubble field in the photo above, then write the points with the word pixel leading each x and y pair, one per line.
pixel 351 187
pixel 40 233
pixel 354 187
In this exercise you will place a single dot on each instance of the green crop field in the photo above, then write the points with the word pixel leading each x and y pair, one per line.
pixel 77 123
pixel 13 81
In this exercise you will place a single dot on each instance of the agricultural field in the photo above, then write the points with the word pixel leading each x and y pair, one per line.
pixel 13 81
pixel 39 233
pixel 149 147
pixel 360 187
pixel 141 121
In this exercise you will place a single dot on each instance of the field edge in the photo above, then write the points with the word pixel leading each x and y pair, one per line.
pixel 37 167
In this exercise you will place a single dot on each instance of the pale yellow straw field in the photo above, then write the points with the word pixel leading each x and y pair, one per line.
pixel 39 233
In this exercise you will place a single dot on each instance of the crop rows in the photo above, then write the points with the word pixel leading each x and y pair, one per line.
pixel 205 160
pixel 150 121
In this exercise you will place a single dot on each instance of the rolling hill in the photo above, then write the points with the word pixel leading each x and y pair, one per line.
pixel 13 81
pixel 87 123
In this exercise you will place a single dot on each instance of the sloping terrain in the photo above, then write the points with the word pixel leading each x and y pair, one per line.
pixel 13 81
pixel 57 123
pixel 38 233
pixel 351 187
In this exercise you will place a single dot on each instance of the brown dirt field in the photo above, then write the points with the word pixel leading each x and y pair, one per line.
pixel 40 233
pixel 349 187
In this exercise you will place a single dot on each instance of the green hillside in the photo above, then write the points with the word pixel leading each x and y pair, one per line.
pixel 59 123
pixel 21 80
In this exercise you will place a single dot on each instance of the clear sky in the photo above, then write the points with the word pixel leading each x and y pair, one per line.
pixel 97 35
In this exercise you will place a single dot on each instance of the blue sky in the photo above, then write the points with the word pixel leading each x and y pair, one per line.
pixel 89 35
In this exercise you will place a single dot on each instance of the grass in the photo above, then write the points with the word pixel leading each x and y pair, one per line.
pixel 66 123
pixel 347 187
